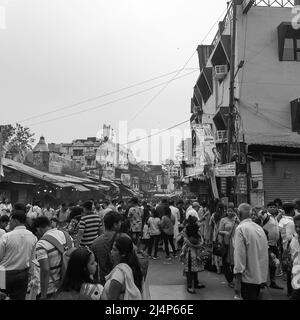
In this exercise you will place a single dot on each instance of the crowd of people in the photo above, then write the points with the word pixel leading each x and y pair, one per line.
pixel 96 250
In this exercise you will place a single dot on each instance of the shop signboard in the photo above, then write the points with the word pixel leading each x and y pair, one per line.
pixel 226 170
pixel 241 185
pixel 125 178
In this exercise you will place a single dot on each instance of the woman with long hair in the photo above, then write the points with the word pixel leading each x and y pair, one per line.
pixel 215 223
pixel 78 282
pixel 227 228
pixel 154 230
pixel 125 281
pixel 167 231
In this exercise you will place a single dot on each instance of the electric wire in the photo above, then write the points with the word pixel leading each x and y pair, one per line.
pixel 108 103
pixel 100 96
pixel 179 71
pixel 155 134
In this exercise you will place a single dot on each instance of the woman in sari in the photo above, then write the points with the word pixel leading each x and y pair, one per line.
pixel 125 281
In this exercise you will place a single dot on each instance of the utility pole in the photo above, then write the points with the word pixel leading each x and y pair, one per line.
pixel 231 120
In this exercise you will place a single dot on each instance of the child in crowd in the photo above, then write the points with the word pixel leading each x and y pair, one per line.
pixel 155 233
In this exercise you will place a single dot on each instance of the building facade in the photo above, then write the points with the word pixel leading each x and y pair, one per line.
pixel 266 105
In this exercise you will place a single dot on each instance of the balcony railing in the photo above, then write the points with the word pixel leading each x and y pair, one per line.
pixel 225 22
pixel 274 3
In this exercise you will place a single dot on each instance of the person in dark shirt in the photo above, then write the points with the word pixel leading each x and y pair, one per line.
pixel 102 245
pixel 162 207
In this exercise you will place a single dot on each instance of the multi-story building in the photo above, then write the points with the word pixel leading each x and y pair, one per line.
pixel 83 151
pixel 50 159
pixel 266 107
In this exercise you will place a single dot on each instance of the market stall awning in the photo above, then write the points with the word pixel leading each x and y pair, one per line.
pixel 77 187
pixel 80 188
pixel 21 183
pixel 45 176
pixel 99 187
pixel 63 185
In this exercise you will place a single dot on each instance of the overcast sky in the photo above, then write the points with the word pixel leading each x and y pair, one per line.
pixel 55 53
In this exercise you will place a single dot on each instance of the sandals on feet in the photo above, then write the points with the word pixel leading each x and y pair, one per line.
pixel 191 291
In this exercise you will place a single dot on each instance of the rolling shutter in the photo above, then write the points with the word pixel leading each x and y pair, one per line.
pixel 281 180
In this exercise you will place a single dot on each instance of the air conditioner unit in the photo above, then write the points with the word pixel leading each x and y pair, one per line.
pixel 221 72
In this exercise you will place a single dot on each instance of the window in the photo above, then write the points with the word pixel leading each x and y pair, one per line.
pixel 205 84
pixel 289 42
pixel 78 152
pixel 291 51
pixel 288 52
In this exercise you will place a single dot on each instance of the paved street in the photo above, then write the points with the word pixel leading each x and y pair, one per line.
pixel 166 282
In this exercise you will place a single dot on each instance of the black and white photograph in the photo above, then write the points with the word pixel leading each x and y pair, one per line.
pixel 149 154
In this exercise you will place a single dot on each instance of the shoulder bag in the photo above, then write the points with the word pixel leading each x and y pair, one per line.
pixel 220 248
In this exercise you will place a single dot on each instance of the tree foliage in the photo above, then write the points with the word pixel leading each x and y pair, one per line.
pixel 17 140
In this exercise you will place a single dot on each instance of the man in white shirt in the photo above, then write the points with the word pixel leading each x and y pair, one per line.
pixel 286 224
pixel 193 211
pixel 16 253
pixel 34 212
pixel 250 256
pixel 48 212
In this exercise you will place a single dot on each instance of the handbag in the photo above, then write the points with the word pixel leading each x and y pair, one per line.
pixel 220 249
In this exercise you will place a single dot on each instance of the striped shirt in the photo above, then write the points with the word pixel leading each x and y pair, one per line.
pixel 45 250
pixel 90 225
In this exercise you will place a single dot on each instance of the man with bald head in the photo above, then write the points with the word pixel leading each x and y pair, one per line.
pixel 250 256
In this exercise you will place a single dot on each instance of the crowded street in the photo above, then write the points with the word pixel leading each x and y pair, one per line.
pixel 96 251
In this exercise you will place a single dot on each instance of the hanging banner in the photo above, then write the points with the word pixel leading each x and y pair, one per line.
pixel 214 186
pixel 205 147
pixel 226 170
pixel 257 199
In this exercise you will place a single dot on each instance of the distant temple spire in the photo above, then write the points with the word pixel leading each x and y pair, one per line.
pixel 41 146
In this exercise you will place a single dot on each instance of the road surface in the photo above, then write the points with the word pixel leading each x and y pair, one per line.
pixel 166 282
